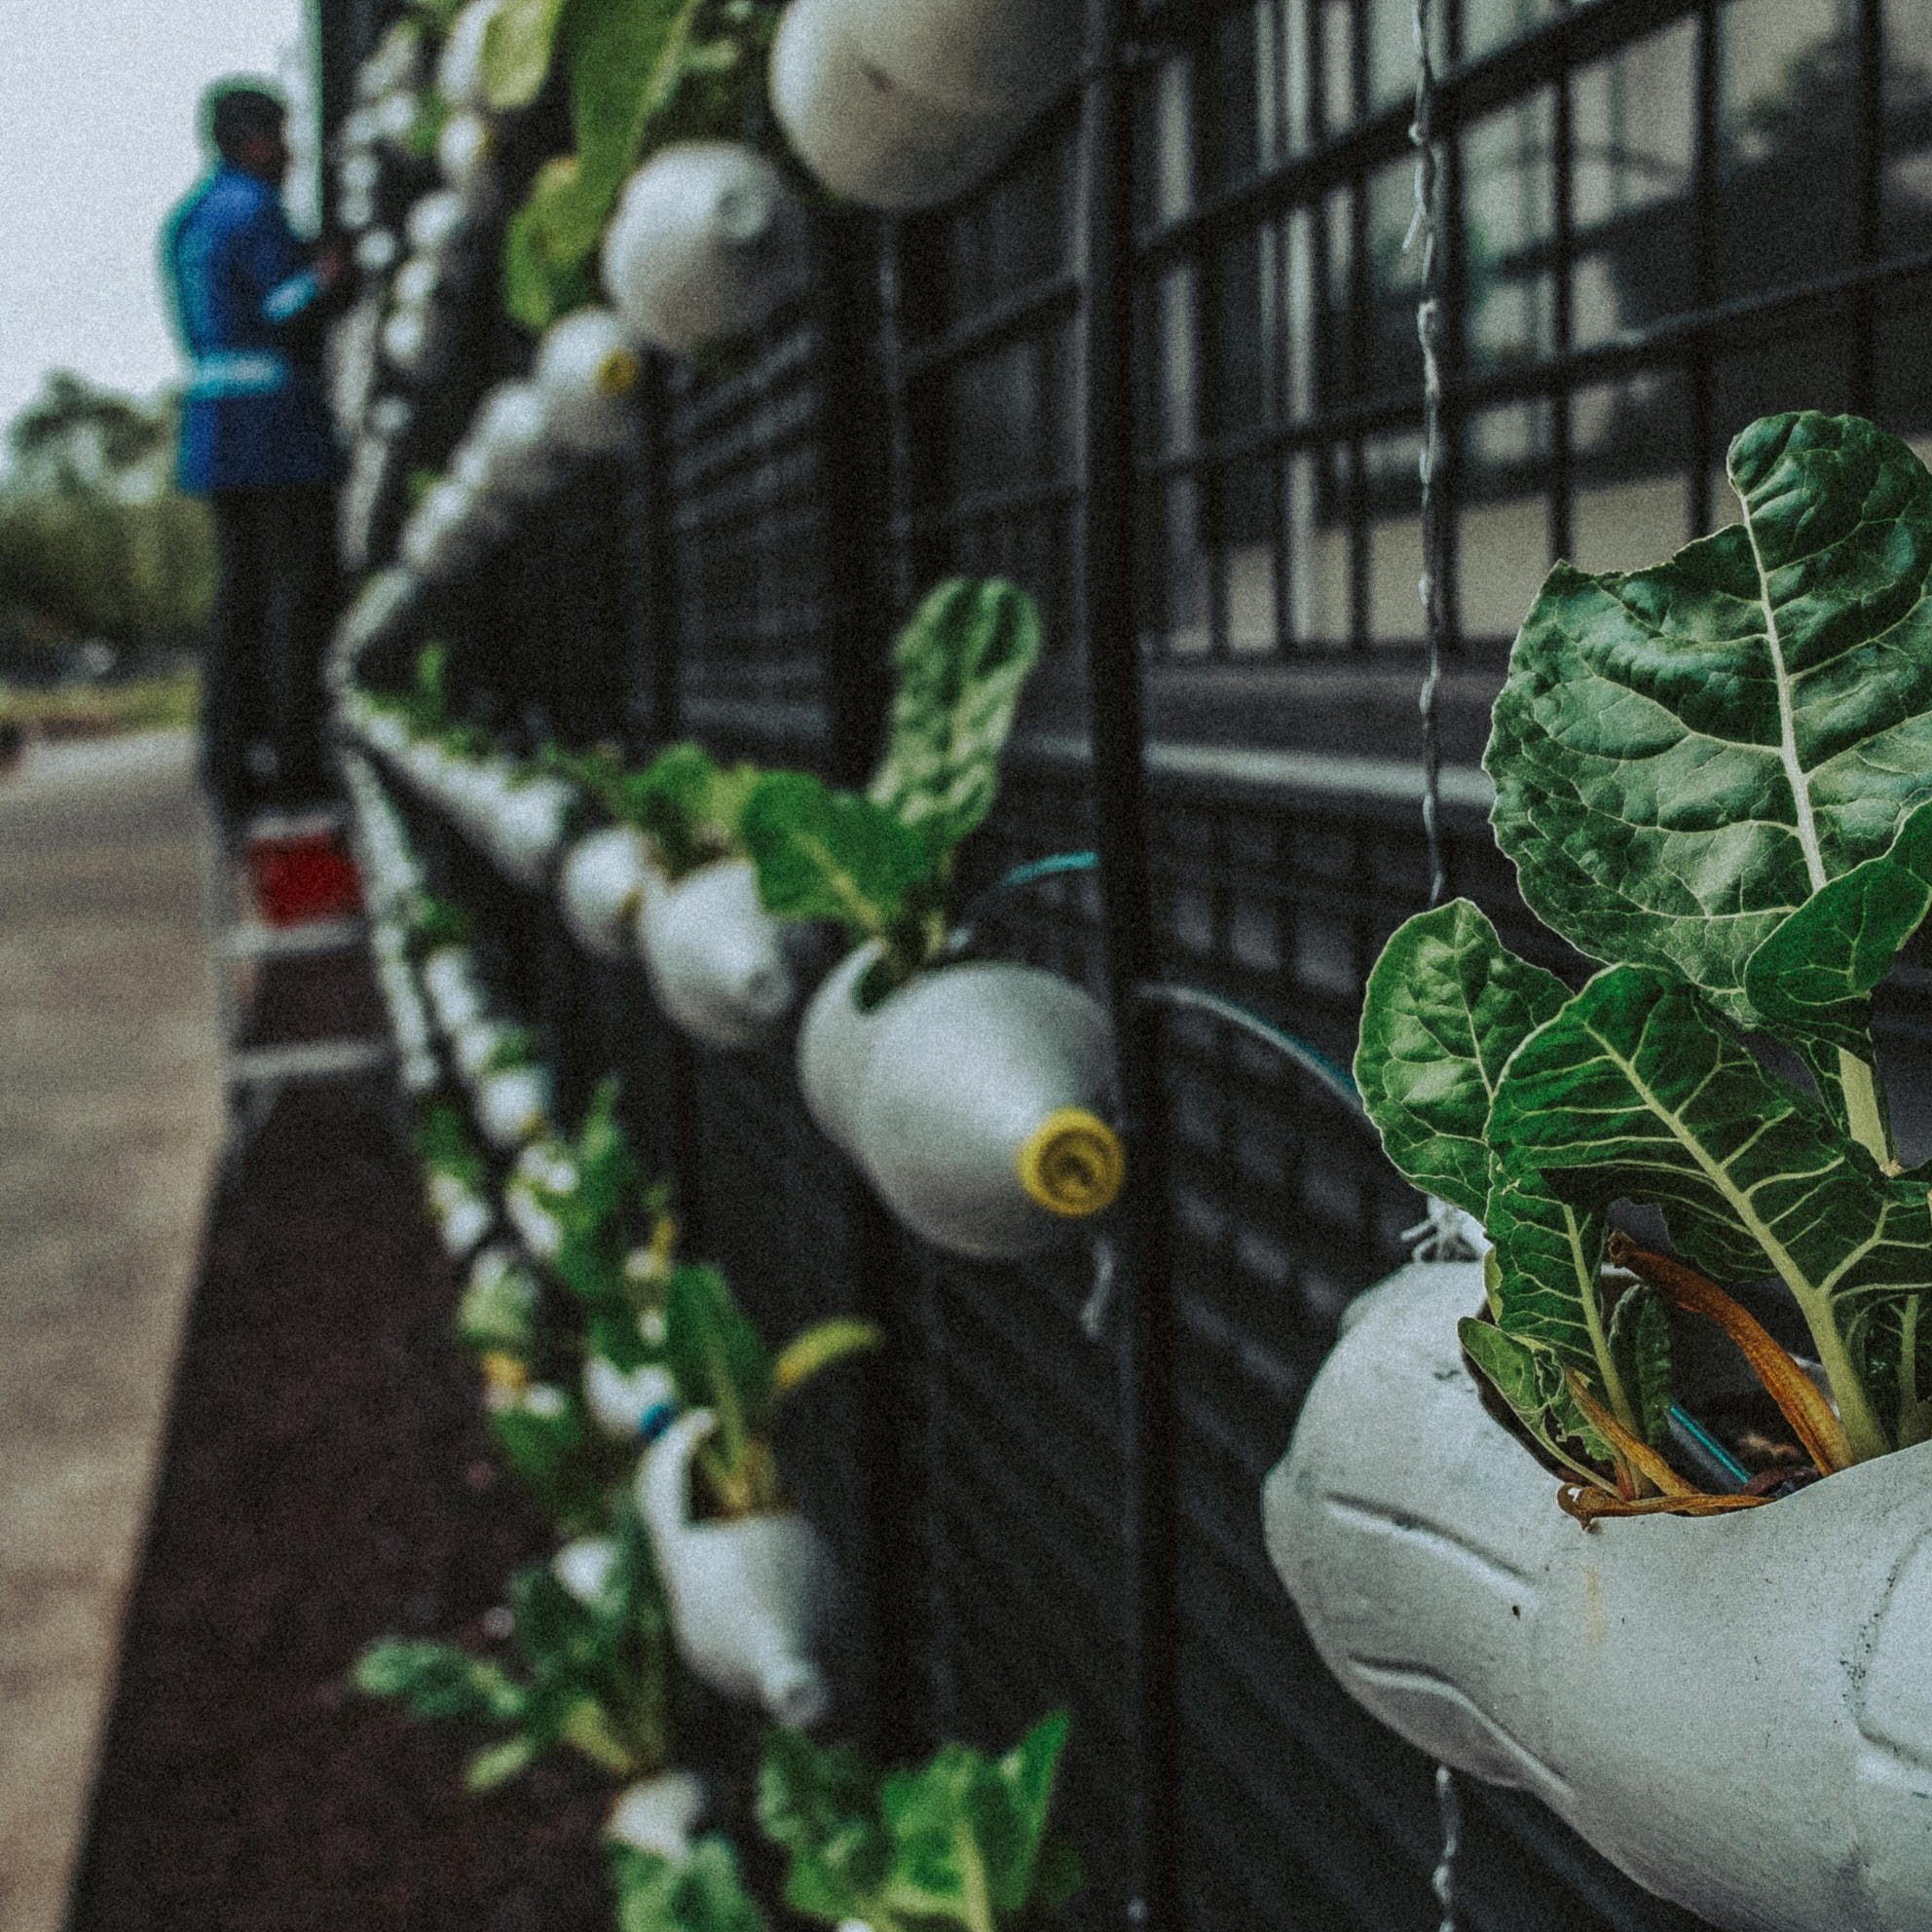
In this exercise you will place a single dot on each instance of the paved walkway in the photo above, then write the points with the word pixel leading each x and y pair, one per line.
pixel 109 1118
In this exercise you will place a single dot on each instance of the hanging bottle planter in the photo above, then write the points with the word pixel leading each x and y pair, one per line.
pixel 714 956
pixel 588 374
pixel 1754 1600
pixel 707 241
pixel 974 1097
pixel 659 1815
pixel 750 1600
pixel 1655 1684
pixel 460 76
pixel 514 1104
pixel 601 888
pixel 863 134
pixel 621 1401
pixel 524 826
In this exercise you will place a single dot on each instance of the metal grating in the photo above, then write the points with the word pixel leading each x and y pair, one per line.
pixel 1665 216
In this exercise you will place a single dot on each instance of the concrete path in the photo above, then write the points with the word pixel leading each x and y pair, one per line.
pixel 109 1120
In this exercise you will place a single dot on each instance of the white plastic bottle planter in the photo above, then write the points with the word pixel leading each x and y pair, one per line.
pixel 462 1215
pixel 1004 56
pixel 601 887
pixel 1663 1684
pixel 511 453
pixel 391 418
pixel 587 372
pixel 865 136
pixel 475 1043
pixel 417 282
pixel 466 151
pixel 460 62
pixel 455 993
pixel 397 115
pixel 835 1048
pixel 974 1097
pixel 584 1567
pixel 750 1601
pixel 413 344
pixel 621 1400
pixel 514 1106
pixel 658 1815
pixel 377 251
pixel 358 172
pixel 707 241
pixel 439 224
pixel 714 956
pixel 525 830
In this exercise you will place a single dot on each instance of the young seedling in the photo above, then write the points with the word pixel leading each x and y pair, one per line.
pixel 880 865
pixel 963 1840
pixel 720 1364
pixel 686 805
pixel 1715 777
pixel 590 1673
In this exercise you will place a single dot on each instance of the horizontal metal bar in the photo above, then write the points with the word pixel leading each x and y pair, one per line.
pixel 977 506
pixel 1463 96
pixel 1628 353
pixel 986 328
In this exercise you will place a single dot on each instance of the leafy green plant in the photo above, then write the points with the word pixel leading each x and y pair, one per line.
pixel 1716 776
pixel 545 1442
pixel 616 1232
pixel 705 1893
pixel 641 73
pixel 963 1840
pixel 689 805
pixel 719 1362
pixel 444 1144
pixel 880 865
pixel 588 1677
pixel 434 922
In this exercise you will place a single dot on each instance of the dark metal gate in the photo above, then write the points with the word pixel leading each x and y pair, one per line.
pixel 1162 372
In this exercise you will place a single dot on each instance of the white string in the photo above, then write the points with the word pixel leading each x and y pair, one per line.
pixel 1424 227
pixel 1442 1881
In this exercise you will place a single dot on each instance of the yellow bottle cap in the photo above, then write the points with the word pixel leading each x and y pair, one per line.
pixel 619 372
pixel 503 1372
pixel 1072 1164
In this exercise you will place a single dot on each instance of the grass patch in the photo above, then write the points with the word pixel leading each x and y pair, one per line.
pixel 171 701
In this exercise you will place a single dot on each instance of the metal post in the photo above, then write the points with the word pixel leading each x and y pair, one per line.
pixel 1111 608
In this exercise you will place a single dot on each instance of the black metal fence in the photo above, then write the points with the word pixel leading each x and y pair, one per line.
pixel 1162 371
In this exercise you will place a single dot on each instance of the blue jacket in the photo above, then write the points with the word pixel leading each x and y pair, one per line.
pixel 254 416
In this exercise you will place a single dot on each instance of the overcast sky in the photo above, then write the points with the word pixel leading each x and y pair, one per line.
pixel 97 144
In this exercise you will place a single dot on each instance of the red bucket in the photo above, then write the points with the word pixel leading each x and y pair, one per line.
pixel 300 873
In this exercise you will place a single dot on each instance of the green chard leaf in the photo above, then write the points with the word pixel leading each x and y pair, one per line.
pixel 704 1894
pixel 820 1804
pixel 548 244
pixel 438 1682
pixel 1446 1006
pixel 1640 1342
pixel 690 806
pixel 961 663
pixel 1638 1090
pixel 1529 1378
pixel 1812 980
pixel 517 47
pixel 822 854
pixel 499 1764
pixel 1684 755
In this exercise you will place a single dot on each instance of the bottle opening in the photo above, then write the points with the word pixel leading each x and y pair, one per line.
pixel 1073 1164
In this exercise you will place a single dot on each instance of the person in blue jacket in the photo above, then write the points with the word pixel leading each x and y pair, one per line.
pixel 249 304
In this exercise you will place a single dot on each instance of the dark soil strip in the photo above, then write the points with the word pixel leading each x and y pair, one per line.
pixel 325 1482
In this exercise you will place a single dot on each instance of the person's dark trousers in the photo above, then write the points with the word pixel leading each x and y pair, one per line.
pixel 264 712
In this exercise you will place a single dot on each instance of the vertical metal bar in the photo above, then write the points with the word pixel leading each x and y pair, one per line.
pixel 1452 349
pixel 1361 317
pixel 1111 605
pixel 1704 262
pixel 658 716
pixel 1868 150
pixel 1562 481
pixel 858 437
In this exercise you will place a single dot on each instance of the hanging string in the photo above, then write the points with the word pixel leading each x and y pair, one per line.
pixel 1449 1812
pixel 1425 228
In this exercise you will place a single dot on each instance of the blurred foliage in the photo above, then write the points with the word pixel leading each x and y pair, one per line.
pixel 97 547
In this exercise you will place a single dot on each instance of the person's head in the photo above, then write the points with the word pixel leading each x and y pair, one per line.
pixel 247 124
